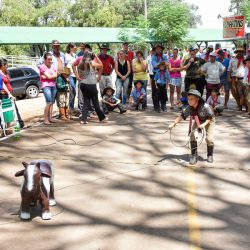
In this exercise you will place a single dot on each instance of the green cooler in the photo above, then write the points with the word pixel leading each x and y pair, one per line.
pixel 8 115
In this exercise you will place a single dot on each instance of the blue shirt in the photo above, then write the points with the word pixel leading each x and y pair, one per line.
pixel 1 82
pixel 80 54
pixel 54 60
pixel 155 60
pixel 184 101
pixel 162 78
pixel 136 93
pixel 225 62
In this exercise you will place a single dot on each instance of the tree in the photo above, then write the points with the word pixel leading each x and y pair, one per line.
pixel 16 13
pixel 94 13
pixel 51 13
pixel 241 7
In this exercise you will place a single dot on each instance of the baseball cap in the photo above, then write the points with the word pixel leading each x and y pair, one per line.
pixel 55 42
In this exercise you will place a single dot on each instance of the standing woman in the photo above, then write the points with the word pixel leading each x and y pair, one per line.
pixel 122 69
pixel 175 77
pixel 48 75
pixel 88 81
pixel 140 67
pixel 7 86
pixel 70 58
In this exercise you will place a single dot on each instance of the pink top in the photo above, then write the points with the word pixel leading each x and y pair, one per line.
pixel 47 82
pixel 77 61
pixel 175 64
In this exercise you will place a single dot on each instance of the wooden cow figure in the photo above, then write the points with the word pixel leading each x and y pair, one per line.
pixel 38 186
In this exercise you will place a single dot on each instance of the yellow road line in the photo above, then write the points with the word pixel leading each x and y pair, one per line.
pixel 193 221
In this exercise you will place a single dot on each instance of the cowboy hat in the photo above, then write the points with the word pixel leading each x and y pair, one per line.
pixel 196 93
pixel 105 46
pixel 240 49
pixel 106 89
pixel 66 71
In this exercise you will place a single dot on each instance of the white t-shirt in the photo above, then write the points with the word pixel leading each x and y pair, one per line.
pixel 246 76
pixel 214 71
pixel 236 71
pixel 150 66
pixel 70 59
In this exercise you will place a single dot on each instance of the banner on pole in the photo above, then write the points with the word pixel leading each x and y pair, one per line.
pixel 234 27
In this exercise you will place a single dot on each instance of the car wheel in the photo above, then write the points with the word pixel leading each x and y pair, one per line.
pixel 32 91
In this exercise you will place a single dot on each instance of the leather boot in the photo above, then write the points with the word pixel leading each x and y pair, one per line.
pixel 62 114
pixel 193 157
pixel 66 110
pixel 210 151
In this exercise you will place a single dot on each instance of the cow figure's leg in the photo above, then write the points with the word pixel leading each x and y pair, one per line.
pixel 46 214
pixel 52 200
pixel 25 210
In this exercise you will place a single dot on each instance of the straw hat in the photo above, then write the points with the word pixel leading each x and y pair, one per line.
pixel 66 71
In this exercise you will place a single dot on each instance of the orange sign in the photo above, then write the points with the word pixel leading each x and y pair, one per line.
pixel 234 27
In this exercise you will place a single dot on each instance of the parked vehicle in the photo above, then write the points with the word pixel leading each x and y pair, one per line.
pixel 25 82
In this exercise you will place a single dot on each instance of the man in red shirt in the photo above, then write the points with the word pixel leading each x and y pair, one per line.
pixel 105 78
pixel 130 55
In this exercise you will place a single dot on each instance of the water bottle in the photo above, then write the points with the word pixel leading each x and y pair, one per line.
pixel 17 130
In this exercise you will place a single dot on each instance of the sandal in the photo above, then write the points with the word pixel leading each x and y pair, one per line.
pixel 47 123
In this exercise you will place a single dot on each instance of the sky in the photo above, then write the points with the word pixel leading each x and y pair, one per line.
pixel 209 10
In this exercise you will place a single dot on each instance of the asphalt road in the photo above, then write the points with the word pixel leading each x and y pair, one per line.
pixel 124 186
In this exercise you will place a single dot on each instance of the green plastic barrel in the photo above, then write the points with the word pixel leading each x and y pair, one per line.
pixel 9 115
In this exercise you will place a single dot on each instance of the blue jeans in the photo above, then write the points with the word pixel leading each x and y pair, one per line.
pixel 145 85
pixel 72 92
pixel 49 94
pixel 122 87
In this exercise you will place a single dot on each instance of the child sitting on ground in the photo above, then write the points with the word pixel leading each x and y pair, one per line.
pixel 161 82
pixel 183 102
pixel 110 102
pixel 216 102
pixel 62 96
pixel 138 96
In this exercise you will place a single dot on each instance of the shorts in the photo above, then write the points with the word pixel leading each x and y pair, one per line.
pixel 62 99
pixel 49 94
pixel 226 84
pixel 176 82
pixel 248 94
pixel 241 88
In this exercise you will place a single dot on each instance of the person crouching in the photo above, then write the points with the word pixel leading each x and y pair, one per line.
pixel 203 117
pixel 62 96
pixel 138 96
pixel 110 102
pixel 161 80
pixel 216 102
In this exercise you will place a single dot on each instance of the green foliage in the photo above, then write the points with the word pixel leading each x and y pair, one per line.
pixel 51 13
pixel 14 50
pixel 169 22
pixel 16 13
pixel 169 18
pixel 241 7
pixel 93 13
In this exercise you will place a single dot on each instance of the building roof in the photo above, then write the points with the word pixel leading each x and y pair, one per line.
pixel 44 35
